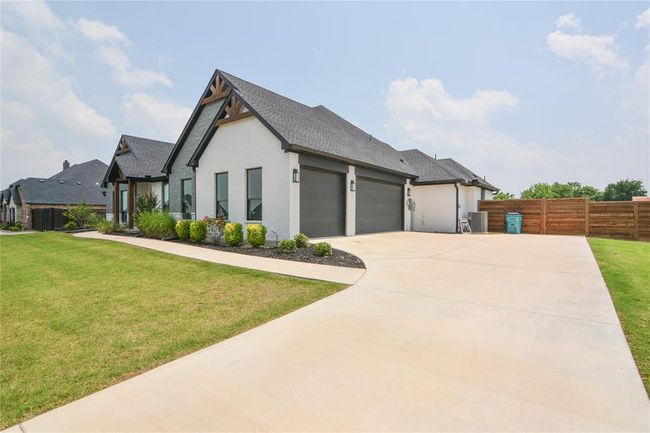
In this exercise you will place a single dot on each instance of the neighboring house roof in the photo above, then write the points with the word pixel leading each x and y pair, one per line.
pixel 140 158
pixel 436 171
pixel 315 130
pixel 79 183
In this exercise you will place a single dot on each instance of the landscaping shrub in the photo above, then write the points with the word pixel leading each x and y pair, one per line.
pixel 198 231
pixel 302 241
pixel 155 224
pixel 82 214
pixel 256 234
pixel 15 228
pixel 215 228
pixel 287 246
pixel 104 226
pixel 147 202
pixel 322 249
pixel 19 226
pixel 183 229
pixel 70 225
pixel 233 234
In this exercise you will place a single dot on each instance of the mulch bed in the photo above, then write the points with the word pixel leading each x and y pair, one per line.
pixel 305 255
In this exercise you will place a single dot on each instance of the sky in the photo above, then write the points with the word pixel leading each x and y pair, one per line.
pixel 519 92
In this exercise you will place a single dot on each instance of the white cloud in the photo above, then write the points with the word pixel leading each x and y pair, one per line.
pixel 100 32
pixel 568 21
pixel 123 73
pixel 155 117
pixel 422 112
pixel 643 19
pixel 597 52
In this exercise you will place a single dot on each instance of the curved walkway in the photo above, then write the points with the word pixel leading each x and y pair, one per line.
pixel 442 333
pixel 313 271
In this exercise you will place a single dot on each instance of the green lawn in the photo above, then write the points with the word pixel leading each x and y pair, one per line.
pixel 625 265
pixel 77 315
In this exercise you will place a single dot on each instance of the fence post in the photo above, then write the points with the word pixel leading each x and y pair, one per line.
pixel 543 222
pixel 587 216
pixel 636 220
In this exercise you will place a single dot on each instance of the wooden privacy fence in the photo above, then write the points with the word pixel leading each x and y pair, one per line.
pixel 573 216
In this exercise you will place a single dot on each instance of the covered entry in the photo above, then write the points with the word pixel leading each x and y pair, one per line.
pixel 380 202
pixel 322 202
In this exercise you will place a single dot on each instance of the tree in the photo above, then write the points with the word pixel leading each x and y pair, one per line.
pixel 147 203
pixel 624 190
pixel 561 190
pixel 502 195
pixel 83 215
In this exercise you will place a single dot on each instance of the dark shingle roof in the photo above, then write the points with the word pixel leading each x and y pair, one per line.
pixel 431 170
pixel 145 158
pixel 77 184
pixel 318 129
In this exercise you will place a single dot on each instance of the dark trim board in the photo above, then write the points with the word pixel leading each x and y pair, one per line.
pixel 322 163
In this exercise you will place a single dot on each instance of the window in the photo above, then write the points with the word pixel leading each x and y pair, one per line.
pixel 222 195
pixel 124 205
pixel 482 194
pixel 165 196
pixel 254 194
pixel 186 194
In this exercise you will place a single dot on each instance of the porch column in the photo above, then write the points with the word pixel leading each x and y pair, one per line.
pixel 131 195
pixel 116 202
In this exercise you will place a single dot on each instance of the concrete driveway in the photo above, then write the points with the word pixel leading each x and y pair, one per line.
pixel 442 333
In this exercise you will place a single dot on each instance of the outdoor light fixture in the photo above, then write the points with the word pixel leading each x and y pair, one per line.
pixel 353 186
pixel 408 192
pixel 296 175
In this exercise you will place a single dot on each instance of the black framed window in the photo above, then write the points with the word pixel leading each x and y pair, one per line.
pixel 254 194
pixel 222 195
pixel 187 196
pixel 482 194
pixel 124 205
pixel 165 196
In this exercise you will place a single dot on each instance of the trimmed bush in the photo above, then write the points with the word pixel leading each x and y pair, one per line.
pixel 256 234
pixel 104 226
pixel 302 241
pixel 233 234
pixel 159 225
pixel 323 249
pixel 183 229
pixel 70 225
pixel 19 226
pixel 15 228
pixel 198 231
pixel 287 246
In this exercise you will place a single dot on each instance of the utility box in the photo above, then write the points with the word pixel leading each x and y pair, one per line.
pixel 513 222
pixel 478 221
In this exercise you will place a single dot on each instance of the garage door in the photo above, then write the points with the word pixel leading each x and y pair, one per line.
pixel 322 202
pixel 380 206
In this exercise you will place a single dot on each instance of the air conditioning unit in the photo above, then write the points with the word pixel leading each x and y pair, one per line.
pixel 478 221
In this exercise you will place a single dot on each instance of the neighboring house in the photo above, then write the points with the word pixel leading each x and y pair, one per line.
pixel 38 203
pixel 135 170
pixel 253 156
pixel 443 192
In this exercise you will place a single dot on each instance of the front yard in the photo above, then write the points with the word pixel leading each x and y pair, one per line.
pixel 625 265
pixel 77 315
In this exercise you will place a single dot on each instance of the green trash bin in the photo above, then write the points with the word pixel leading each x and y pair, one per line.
pixel 513 222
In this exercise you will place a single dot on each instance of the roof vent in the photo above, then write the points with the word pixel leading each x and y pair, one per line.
pixel 61 182
pixel 66 164
pixel 78 183
pixel 41 180
pixel 435 156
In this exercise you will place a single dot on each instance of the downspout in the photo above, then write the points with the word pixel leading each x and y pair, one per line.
pixel 456 185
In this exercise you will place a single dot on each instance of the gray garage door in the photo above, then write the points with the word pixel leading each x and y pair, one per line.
pixel 322 202
pixel 380 206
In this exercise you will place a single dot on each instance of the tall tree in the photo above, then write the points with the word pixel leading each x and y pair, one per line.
pixel 561 190
pixel 624 190
pixel 502 195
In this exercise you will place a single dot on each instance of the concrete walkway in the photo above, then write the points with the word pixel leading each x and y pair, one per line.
pixel 313 271
pixel 442 333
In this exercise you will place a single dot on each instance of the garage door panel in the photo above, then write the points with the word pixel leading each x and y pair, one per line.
pixel 322 203
pixel 379 206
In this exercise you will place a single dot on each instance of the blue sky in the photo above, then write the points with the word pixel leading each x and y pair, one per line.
pixel 518 92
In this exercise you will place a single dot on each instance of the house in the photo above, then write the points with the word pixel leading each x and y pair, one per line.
pixel 253 156
pixel 443 192
pixel 38 203
pixel 135 170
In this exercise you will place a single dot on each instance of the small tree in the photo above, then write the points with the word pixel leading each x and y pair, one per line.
pixel 147 203
pixel 502 195
pixel 81 214
pixel 624 190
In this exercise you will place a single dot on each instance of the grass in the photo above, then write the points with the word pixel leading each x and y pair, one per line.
pixel 77 315
pixel 625 265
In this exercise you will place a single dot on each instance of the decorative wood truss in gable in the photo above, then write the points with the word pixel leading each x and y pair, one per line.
pixel 233 111
pixel 218 90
